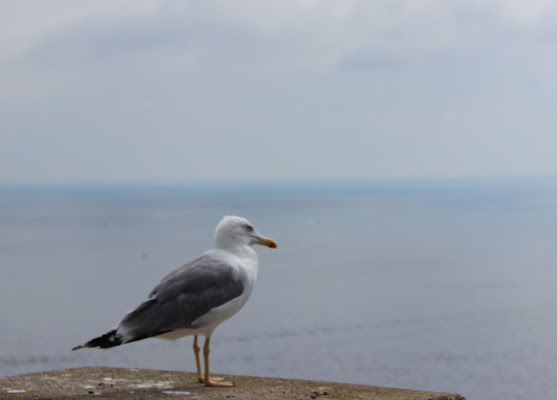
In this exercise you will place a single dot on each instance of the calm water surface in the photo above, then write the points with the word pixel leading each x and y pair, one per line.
pixel 445 287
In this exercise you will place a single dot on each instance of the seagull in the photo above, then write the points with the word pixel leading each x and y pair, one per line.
pixel 197 297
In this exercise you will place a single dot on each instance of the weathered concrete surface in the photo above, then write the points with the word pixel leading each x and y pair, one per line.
pixel 115 383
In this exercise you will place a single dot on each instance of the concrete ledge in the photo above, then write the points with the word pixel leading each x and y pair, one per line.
pixel 116 383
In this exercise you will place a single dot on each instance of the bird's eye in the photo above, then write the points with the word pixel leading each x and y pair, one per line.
pixel 249 228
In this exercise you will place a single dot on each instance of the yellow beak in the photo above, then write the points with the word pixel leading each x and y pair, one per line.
pixel 265 241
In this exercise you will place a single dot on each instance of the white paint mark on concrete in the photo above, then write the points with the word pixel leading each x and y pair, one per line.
pixel 177 392
pixel 156 385
pixel 112 380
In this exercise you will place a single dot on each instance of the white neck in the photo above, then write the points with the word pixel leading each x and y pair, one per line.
pixel 240 250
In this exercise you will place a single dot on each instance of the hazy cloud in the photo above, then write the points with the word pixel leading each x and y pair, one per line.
pixel 183 90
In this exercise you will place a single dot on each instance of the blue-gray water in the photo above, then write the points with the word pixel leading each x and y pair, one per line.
pixel 437 286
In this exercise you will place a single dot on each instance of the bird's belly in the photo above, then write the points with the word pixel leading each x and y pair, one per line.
pixel 208 322
pixel 177 334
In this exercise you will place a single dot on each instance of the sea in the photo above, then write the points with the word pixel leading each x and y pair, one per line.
pixel 437 285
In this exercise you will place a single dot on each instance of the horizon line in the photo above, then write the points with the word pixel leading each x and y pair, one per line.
pixel 285 183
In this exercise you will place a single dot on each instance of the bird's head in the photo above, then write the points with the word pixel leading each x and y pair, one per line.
pixel 234 231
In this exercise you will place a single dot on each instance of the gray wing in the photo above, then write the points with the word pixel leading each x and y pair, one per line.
pixel 182 297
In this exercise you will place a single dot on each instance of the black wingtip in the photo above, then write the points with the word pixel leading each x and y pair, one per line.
pixel 110 339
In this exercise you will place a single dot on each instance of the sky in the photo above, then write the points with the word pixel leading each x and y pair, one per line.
pixel 175 91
